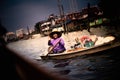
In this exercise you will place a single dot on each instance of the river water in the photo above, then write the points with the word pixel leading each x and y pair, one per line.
pixel 99 66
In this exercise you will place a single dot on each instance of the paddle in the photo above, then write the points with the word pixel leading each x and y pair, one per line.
pixel 52 47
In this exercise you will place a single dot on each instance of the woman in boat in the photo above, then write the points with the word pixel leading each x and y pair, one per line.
pixel 56 43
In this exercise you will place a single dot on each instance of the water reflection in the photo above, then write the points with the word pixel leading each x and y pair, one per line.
pixel 101 66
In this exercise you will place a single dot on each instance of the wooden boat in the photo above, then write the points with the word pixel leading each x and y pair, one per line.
pixel 82 51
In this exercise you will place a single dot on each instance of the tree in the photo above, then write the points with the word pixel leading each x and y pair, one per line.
pixel 37 27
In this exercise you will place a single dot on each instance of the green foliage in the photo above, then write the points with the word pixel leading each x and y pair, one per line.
pixel 37 27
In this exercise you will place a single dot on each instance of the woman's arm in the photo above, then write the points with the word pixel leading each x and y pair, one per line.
pixel 62 42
